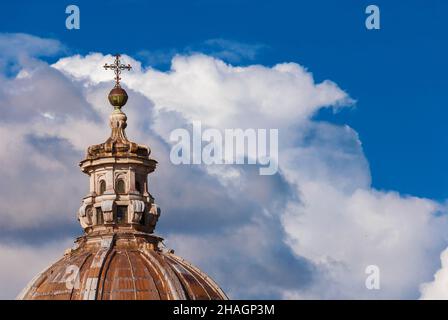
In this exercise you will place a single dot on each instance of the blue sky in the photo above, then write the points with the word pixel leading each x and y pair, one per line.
pixel 396 74
pixel 320 209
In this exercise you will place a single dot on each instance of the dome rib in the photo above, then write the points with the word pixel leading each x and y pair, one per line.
pixel 154 273
pixel 73 291
pixel 90 285
pixel 103 275
pixel 172 285
pixel 218 293
pixel 134 279
pixel 189 284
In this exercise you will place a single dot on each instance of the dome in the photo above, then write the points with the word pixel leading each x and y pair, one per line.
pixel 122 267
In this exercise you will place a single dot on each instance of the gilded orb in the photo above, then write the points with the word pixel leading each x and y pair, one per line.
pixel 118 97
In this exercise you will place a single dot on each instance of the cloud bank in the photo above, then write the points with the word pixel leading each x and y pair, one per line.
pixel 307 232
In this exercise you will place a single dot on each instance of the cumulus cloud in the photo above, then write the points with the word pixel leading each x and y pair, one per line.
pixel 307 232
pixel 39 153
pixel 346 232
pixel 219 94
pixel 13 45
pixel 21 48
pixel 438 288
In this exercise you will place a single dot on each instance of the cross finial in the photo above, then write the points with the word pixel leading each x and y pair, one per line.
pixel 117 66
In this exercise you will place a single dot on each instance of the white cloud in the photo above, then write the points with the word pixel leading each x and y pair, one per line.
pixel 207 89
pixel 20 263
pixel 344 233
pixel 438 288
pixel 307 232
pixel 45 124
pixel 23 49
pixel 13 45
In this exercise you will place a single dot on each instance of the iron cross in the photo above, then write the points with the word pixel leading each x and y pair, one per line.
pixel 117 66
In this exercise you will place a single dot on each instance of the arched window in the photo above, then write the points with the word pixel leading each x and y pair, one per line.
pixel 120 186
pixel 102 186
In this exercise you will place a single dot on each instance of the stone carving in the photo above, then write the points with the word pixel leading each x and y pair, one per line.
pixel 137 210
pixel 154 214
pixel 85 215
pixel 107 206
